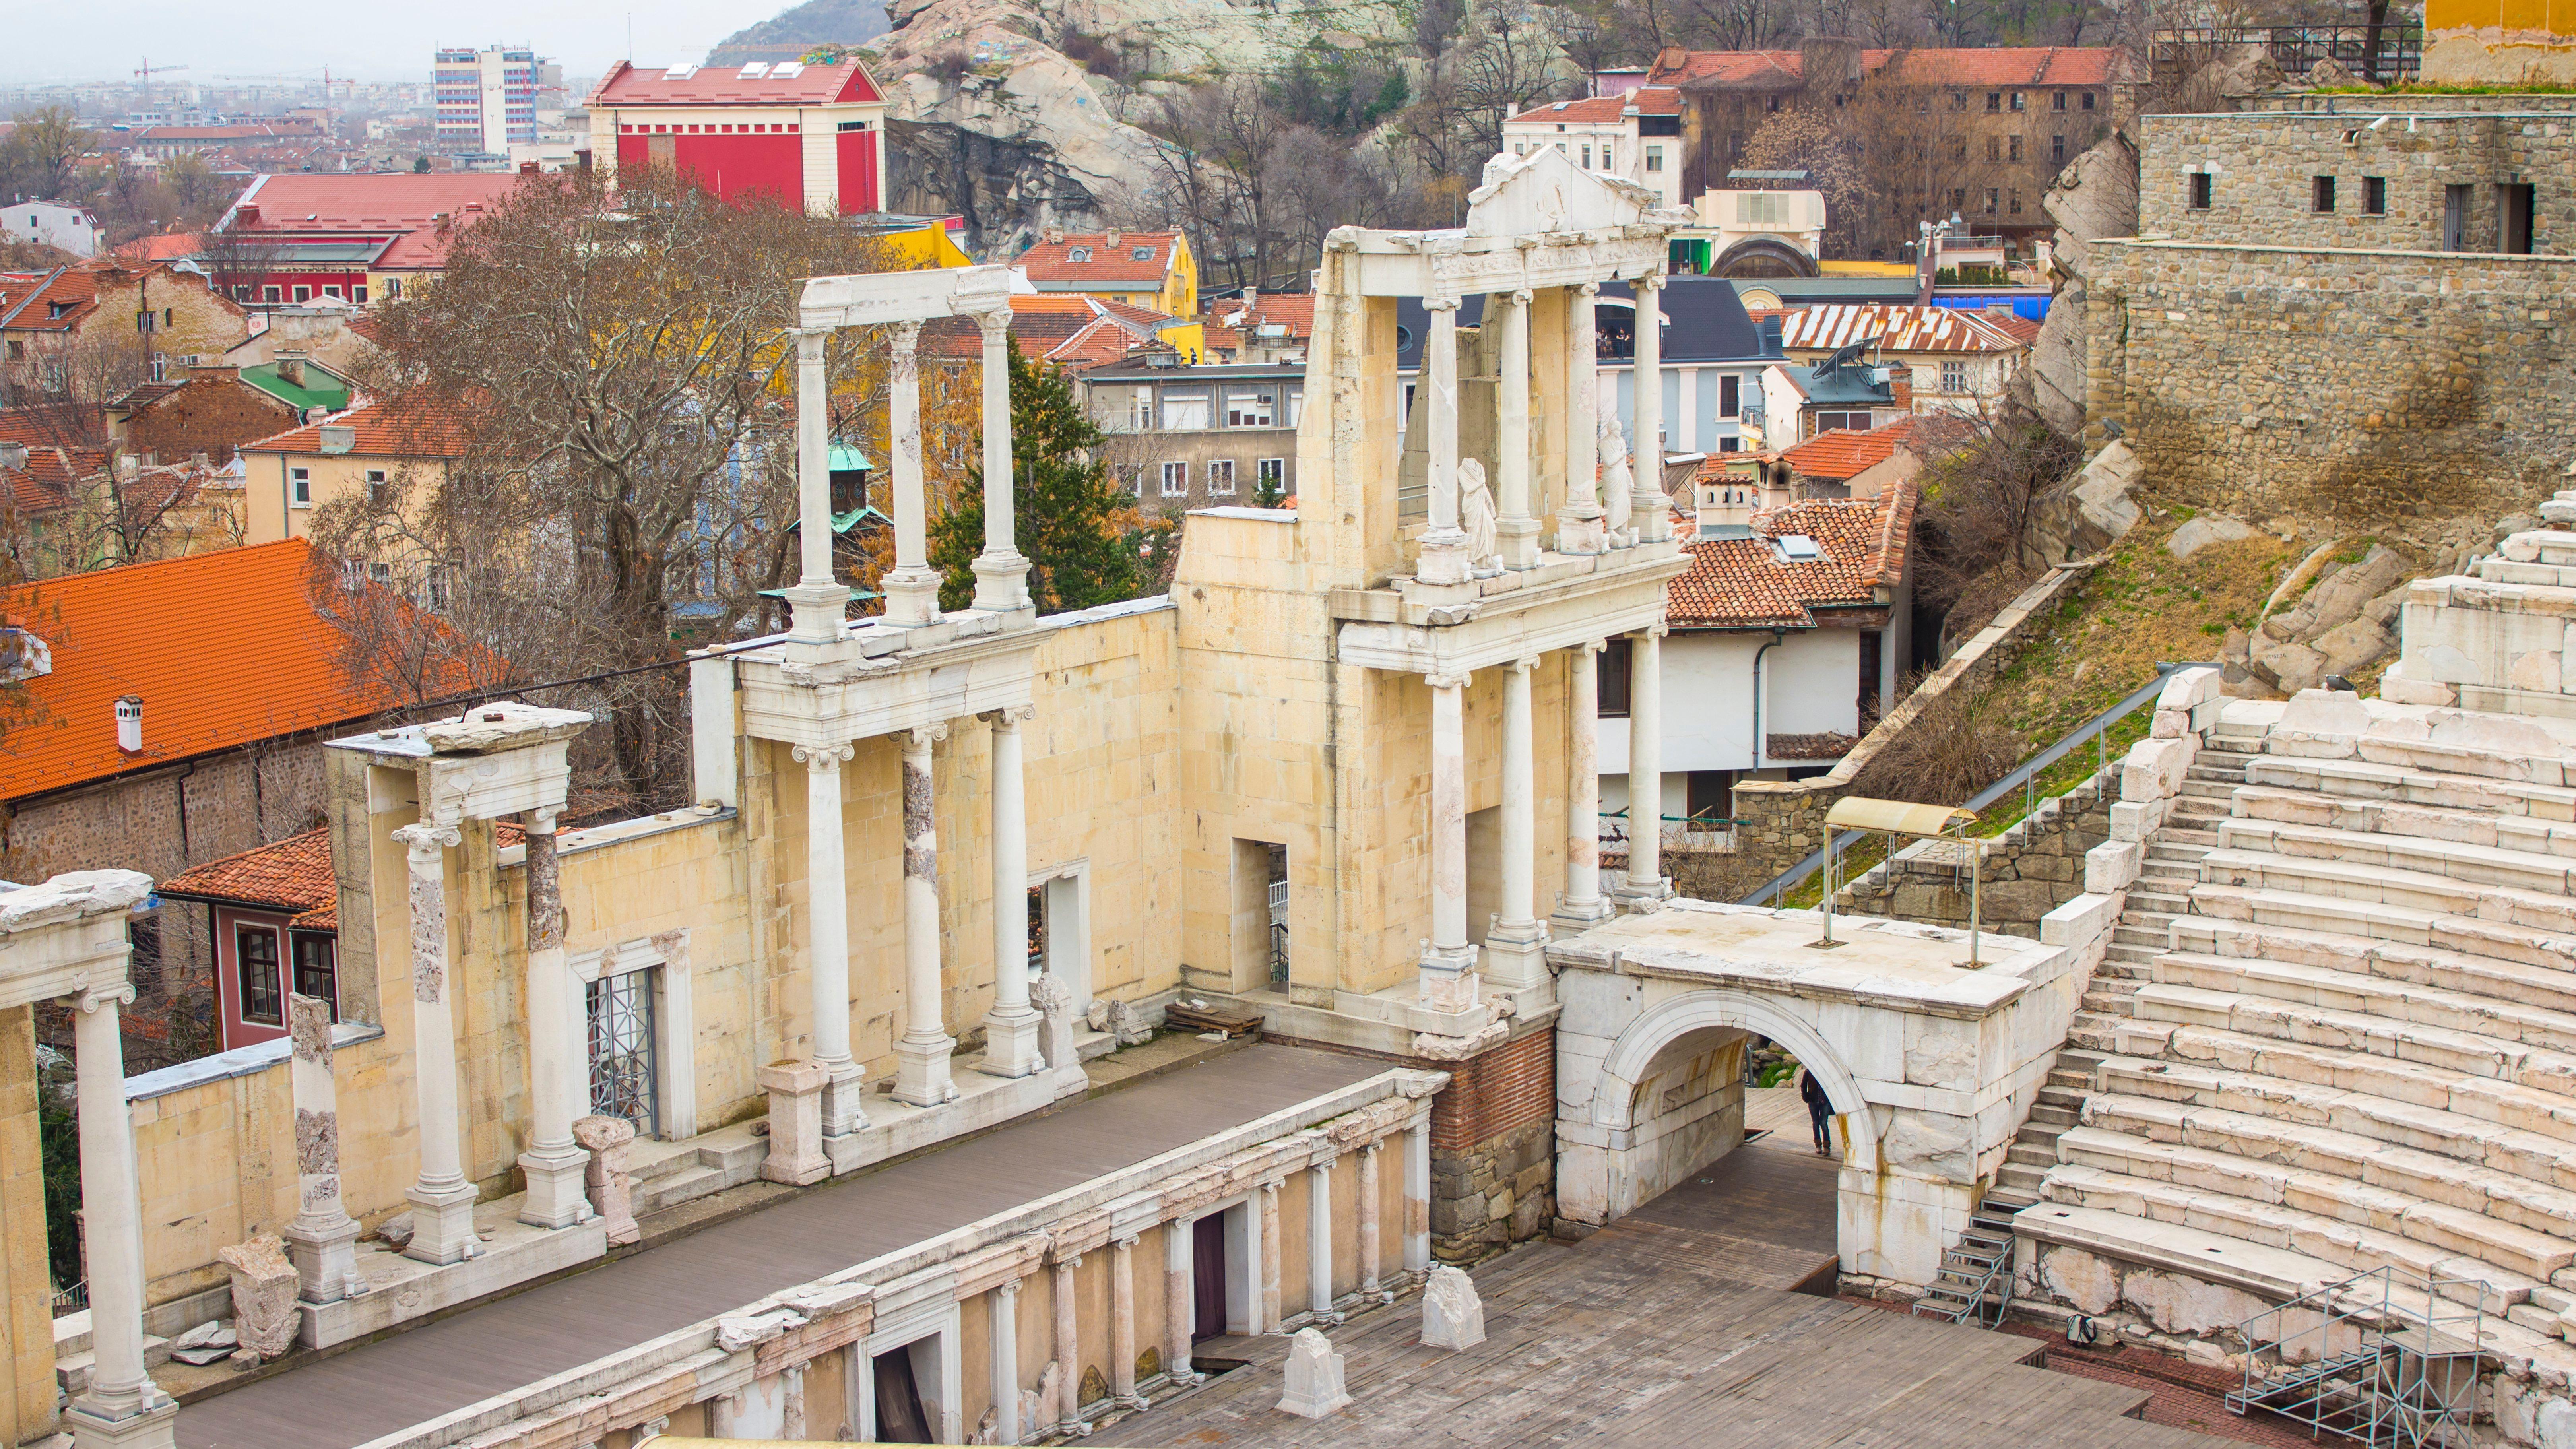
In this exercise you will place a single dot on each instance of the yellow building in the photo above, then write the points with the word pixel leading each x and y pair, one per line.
pixel 368 448
pixel 1149 269
pixel 2500 42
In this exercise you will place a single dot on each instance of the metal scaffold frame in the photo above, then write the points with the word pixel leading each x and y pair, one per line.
pixel 2360 1358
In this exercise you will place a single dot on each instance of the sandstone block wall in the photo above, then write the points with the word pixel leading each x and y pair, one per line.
pixel 2262 166
pixel 2029 870
pixel 1493 1149
pixel 2389 390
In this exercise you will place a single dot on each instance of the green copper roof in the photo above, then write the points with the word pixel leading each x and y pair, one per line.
pixel 846 459
pixel 321 389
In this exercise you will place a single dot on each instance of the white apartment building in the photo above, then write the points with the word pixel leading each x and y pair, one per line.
pixel 1635 137
pixel 487 99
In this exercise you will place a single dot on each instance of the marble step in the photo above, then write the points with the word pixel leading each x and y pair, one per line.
pixel 2543 1156
pixel 2336 884
pixel 2454 860
pixel 2349 1247
pixel 2483 826
pixel 2507 1245
pixel 2548 987
pixel 2484 1099
pixel 2468 935
pixel 2194 789
pixel 2375 780
pixel 2322 1026
pixel 2393 1001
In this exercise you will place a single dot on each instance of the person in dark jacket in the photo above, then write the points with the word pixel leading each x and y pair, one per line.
pixel 1820 1109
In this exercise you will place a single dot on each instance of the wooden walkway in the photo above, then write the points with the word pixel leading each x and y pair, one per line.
pixel 356 1396
pixel 1679 1325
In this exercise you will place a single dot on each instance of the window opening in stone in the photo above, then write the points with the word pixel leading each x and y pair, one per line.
pixel 622 1076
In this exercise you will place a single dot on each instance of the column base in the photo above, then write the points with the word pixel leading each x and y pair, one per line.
pixel 1001 582
pixel 911 597
pixel 442 1225
pixel 325 1258
pixel 816 612
pixel 557 1195
pixel 1636 900
pixel 1579 529
pixel 1516 954
pixel 1572 916
pixel 1448 979
pixel 156 1427
pixel 1516 539
pixel 1442 557
pixel 1011 1043
pixel 845 1101
pixel 921 1071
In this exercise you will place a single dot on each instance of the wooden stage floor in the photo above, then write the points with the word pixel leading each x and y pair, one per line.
pixel 1679 1325
pixel 352 1397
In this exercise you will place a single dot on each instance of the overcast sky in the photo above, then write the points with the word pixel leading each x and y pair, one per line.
pixel 367 41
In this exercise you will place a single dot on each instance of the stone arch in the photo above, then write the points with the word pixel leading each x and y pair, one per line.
pixel 1614 1096
pixel 1763 256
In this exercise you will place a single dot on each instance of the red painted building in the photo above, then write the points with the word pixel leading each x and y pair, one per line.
pixel 813 135
pixel 341 236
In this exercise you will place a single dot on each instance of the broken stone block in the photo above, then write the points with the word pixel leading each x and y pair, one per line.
pixel 609 1181
pixel 1452 1316
pixel 206 1343
pixel 2349 646
pixel 795 1123
pixel 1129 1024
pixel 1054 1001
pixel 2203 531
pixel 1314 1375
pixel 264 1288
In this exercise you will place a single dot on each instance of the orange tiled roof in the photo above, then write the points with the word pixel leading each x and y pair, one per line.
pixel 1110 265
pixel 2029 65
pixel 1647 100
pixel 1841 453
pixel 412 426
pixel 1744 583
pixel 224 649
pixel 1067 327
pixel 1292 310
pixel 164 247
pixel 291 875
pixel 46 483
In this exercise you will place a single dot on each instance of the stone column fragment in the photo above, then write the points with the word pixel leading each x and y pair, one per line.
pixel 1011 1027
pixel 1582 905
pixel 1122 1323
pixel 442 1201
pixel 1001 571
pixel 796 1156
pixel 1644 888
pixel 1515 530
pixel 827 943
pixel 1579 527
pixel 912 586
pixel 1417 1196
pixel 1442 556
pixel 1266 1203
pixel 817 603
pixel 1448 971
pixel 323 1238
pixel 554 1164
pixel 1179 1305
pixel 1068 1352
pixel 1516 946
pixel 1368 1219
pixel 609 1142
pixel 1319 1242
pixel 1653 510
pixel 922 1075
pixel 123 1408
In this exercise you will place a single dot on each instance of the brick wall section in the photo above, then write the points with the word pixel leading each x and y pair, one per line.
pixel 2030 870
pixel 212 416
pixel 1493 1149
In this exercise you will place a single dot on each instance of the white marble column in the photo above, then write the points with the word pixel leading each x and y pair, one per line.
pixel 322 1240
pixel 818 603
pixel 1266 1203
pixel 921 1074
pixel 1319 1242
pixel 1068 1353
pixel 912 586
pixel 1122 1322
pixel 1417 1195
pixel 1180 1307
pixel 1644 886
pixel 1516 945
pixel 1578 524
pixel 1011 1027
pixel 554 1164
pixel 1515 530
pixel 1582 906
pixel 1443 558
pixel 1368 1219
pixel 1448 973
pixel 827 938
pixel 442 1201
pixel 1006 1364
pixel 122 1407
pixel 1653 514
pixel 1001 571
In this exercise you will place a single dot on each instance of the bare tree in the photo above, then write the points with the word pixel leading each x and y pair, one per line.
pixel 1973 527
pixel 41 156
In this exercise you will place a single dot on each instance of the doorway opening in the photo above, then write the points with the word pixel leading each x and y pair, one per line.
pixel 902 1418
pixel 1260 924
pixel 1207 1277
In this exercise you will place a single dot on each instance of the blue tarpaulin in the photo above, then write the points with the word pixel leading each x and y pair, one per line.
pixel 2033 308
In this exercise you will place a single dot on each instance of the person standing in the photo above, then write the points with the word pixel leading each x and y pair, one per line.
pixel 1820 1110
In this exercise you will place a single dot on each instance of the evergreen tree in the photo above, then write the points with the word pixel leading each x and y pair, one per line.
pixel 1073 522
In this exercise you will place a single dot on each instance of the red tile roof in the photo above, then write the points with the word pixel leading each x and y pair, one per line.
pixel 224 649
pixel 1905 329
pixel 727 85
pixel 46 483
pixel 1110 264
pixel 1292 310
pixel 413 426
pixel 168 246
pixel 1646 100
pixel 292 876
pixel 1069 328
pixel 2034 65
pixel 1744 583
pixel 1842 453
pixel 384 203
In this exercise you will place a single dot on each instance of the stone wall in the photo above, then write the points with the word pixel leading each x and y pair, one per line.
pixel 2262 165
pixel 2029 870
pixel 2386 390
pixel 1784 819
pixel 1493 1149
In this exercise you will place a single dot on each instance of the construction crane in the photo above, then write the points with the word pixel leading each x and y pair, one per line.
pixel 147 71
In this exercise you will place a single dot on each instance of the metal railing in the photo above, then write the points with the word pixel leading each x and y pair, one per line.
pixel 1679 831
pixel 2396 53
pixel 2023 776
pixel 71 1300
pixel 2357 1358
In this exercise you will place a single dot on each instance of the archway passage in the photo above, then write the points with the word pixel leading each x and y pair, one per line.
pixel 1763 256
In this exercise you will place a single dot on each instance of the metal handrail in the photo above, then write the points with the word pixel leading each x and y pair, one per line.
pixel 2023 774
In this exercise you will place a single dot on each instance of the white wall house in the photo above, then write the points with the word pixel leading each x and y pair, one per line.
pixel 1788 632
pixel 1957 359
pixel 1635 137
pixel 55 225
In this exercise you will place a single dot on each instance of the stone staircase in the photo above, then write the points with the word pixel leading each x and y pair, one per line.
pixel 2336 1027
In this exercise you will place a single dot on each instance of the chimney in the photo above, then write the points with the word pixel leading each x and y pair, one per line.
pixel 1726 507
pixel 1775 484
pixel 245 216
pixel 1110 237
pixel 338 438
pixel 13 457
pixel 1054 235
pixel 129 725
pixel 127 468
pixel 1900 386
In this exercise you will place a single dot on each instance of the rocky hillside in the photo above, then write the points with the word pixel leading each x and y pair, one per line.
pixel 816 22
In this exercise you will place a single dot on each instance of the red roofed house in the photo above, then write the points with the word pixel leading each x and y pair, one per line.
pixel 1635 136
pixel 98 327
pixel 1993 126
pixel 1958 360
pixel 166 715
pixel 1154 270
pixel 1842 463
pixel 371 446
pixel 1261 327
pixel 350 237
pixel 1790 628
pixel 812 135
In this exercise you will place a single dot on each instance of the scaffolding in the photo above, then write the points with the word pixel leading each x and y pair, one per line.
pixel 2386 1357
